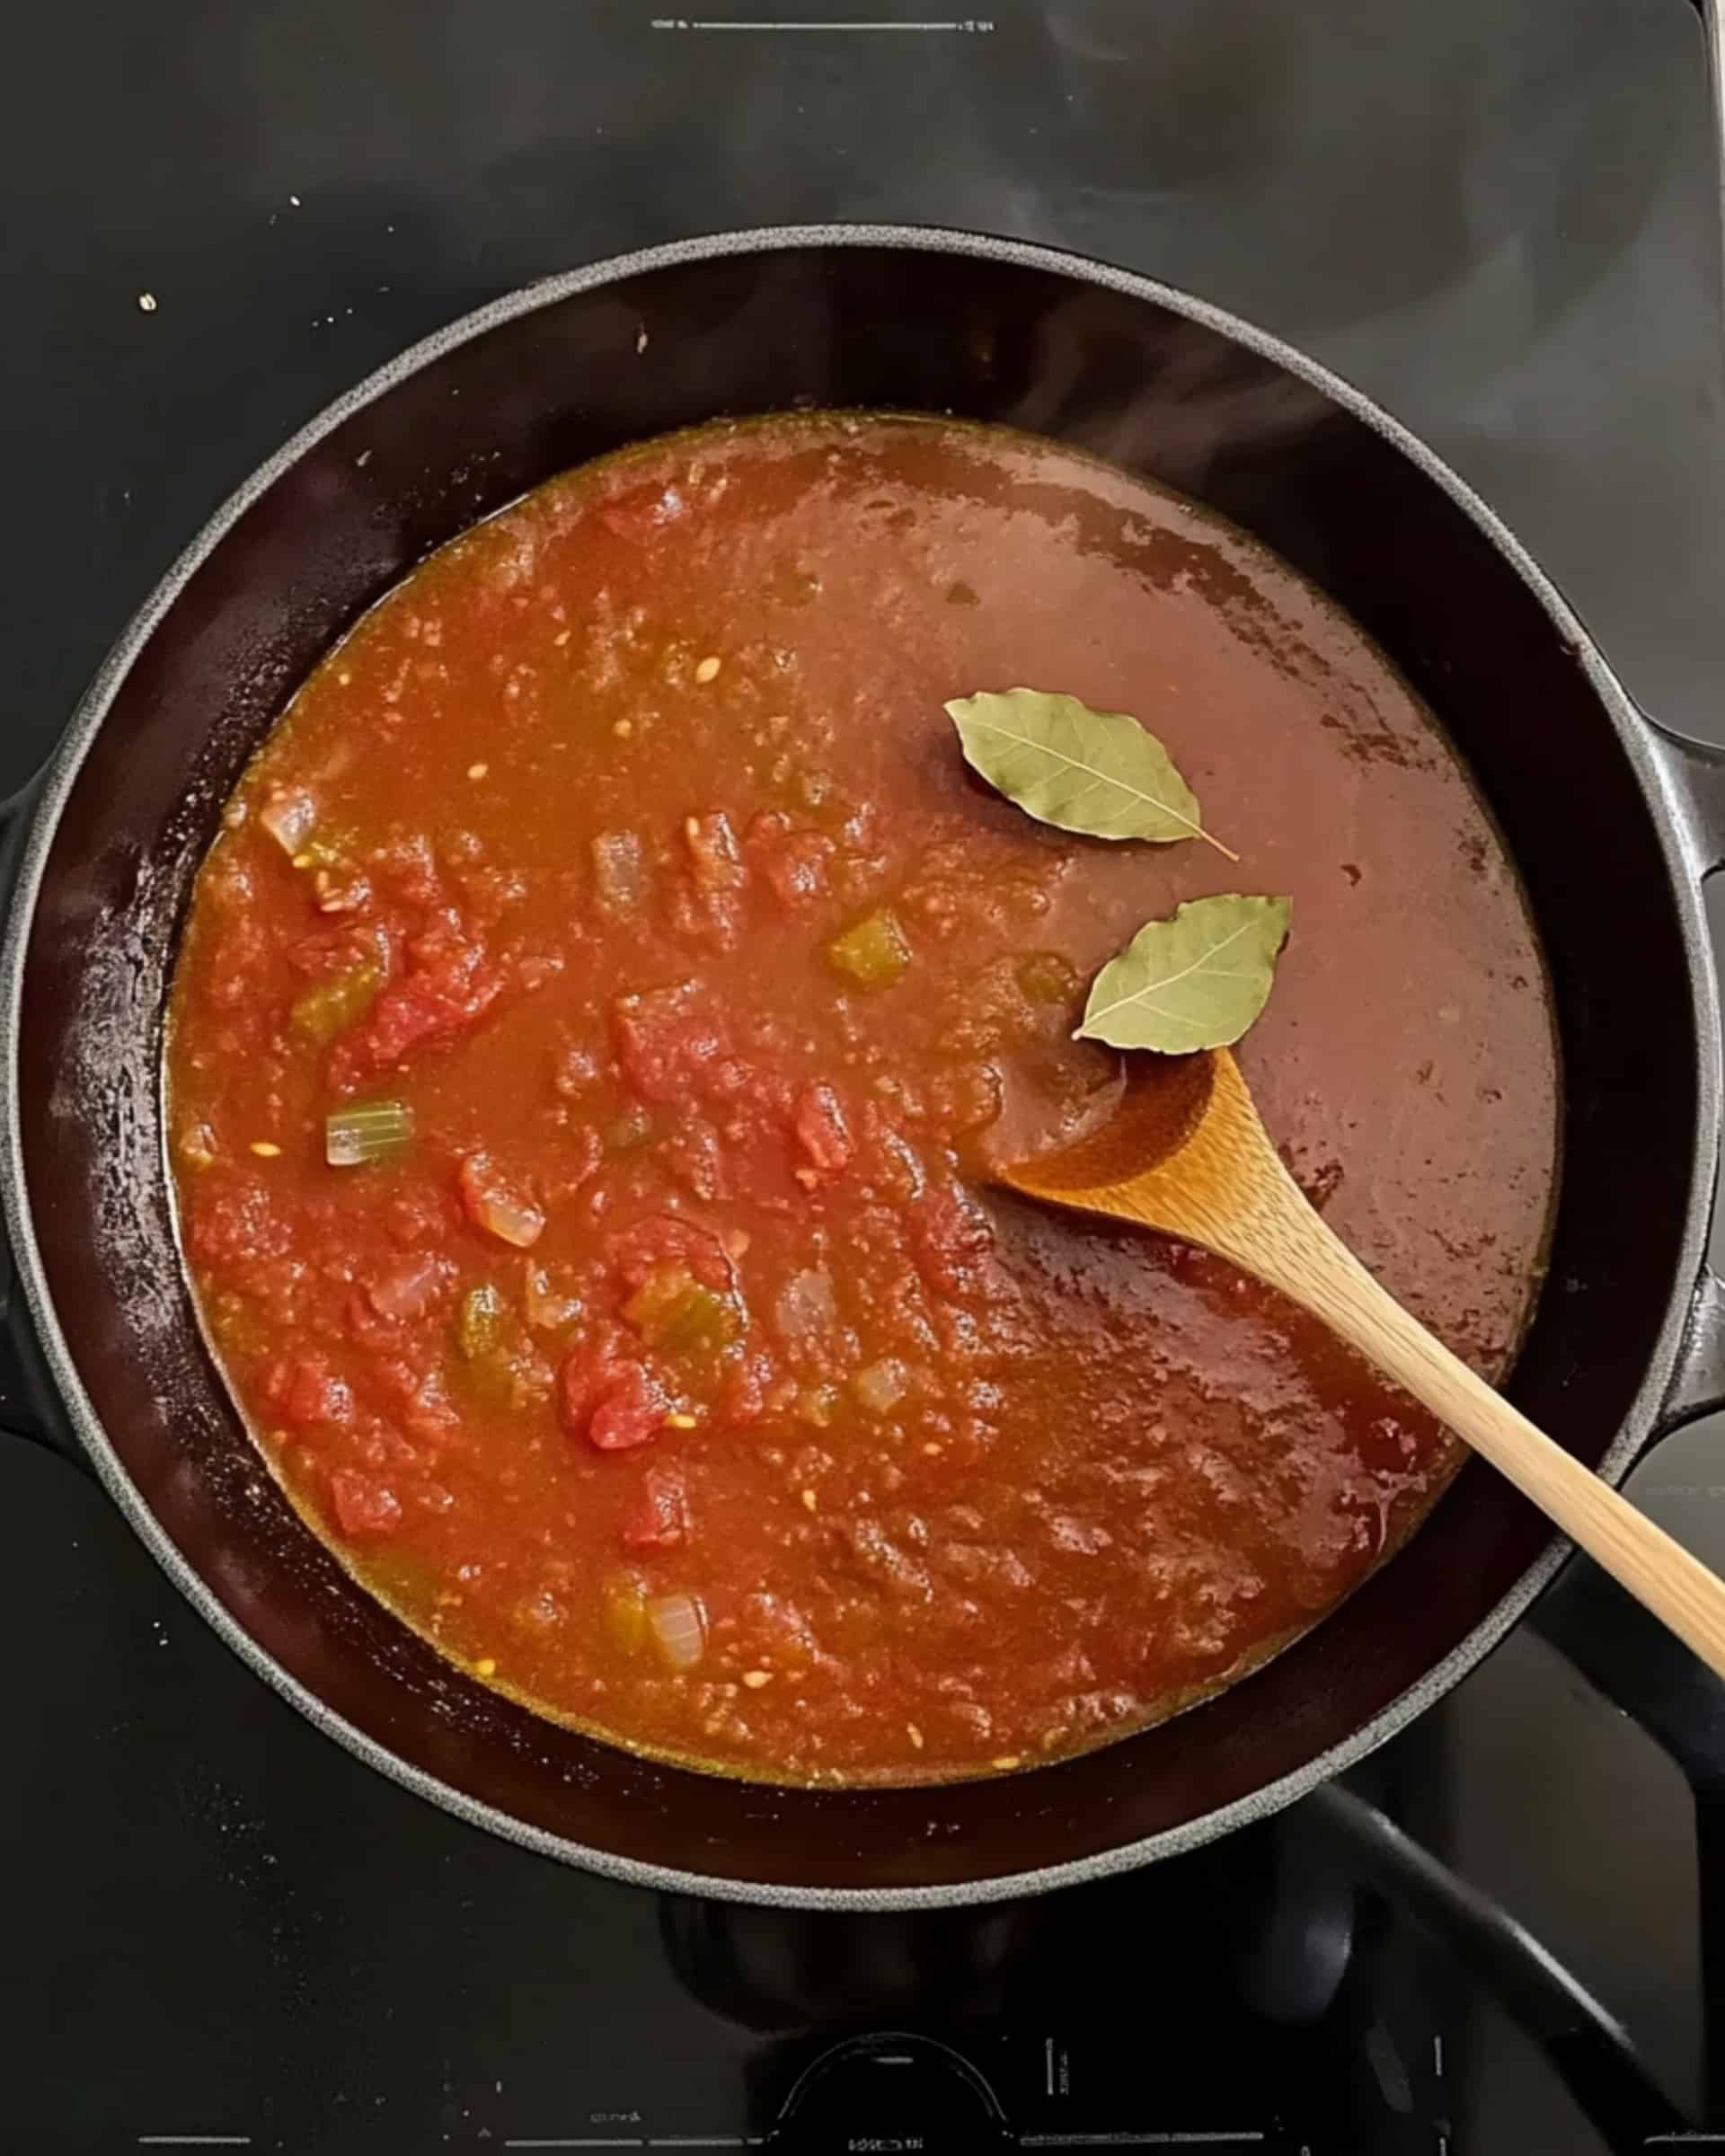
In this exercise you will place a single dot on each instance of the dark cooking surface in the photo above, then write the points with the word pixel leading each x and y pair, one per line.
pixel 220 1925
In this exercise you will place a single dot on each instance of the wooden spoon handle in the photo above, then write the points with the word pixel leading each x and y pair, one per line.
pixel 1308 1263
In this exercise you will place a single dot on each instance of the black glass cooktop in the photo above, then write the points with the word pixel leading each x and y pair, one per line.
pixel 1507 1933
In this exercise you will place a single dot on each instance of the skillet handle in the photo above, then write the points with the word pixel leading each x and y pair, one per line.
pixel 29 1406
pixel 1697 1386
pixel 1691 777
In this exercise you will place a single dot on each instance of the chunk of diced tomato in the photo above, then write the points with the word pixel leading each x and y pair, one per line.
pixel 416 1216
pixel 340 949
pixel 363 1505
pixel 407 868
pixel 233 1221
pixel 580 1156
pixel 448 986
pixel 694 1156
pixel 412 1394
pixel 821 1130
pixel 231 977
pixel 305 1392
pixel 708 901
pixel 614 1403
pixel 641 513
pixel 659 1518
pixel 797 864
pixel 668 1039
pixel 631 1410
pixel 663 1240
pixel 954 1242
pixel 744 1398
pixel 715 859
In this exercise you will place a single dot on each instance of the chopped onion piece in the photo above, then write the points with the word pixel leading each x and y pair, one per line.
pixel 619 872
pixel 199 1147
pixel 289 817
pixel 516 1221
pixel 680 1627
pixel 881 1386
pixel 367 1131
pixel 497 1206
pixel 409 1290
pixel 547 1310
pixel 804 1308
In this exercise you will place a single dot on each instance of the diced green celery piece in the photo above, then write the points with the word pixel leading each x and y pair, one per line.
pixel 626 1612
pixel 699 1322
pixel 368 1130
pixel 676 1314
pixel 873 952
pixel 482 1322
pixel 630 1132
pixel 330 1008
pixel 1046 978
pixel 649 1307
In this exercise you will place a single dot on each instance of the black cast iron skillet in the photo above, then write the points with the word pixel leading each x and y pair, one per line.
pixel 1614 824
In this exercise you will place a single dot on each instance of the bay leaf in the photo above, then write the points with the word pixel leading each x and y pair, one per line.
pixel 1196 980
pixel 1097 772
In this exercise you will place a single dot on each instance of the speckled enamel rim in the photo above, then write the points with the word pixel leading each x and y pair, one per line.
pixel 1661 791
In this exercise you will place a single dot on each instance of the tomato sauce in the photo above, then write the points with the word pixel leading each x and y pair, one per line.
pixel 679 1374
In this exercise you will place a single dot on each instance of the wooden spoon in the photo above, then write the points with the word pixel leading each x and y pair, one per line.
pixel 1184 1152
